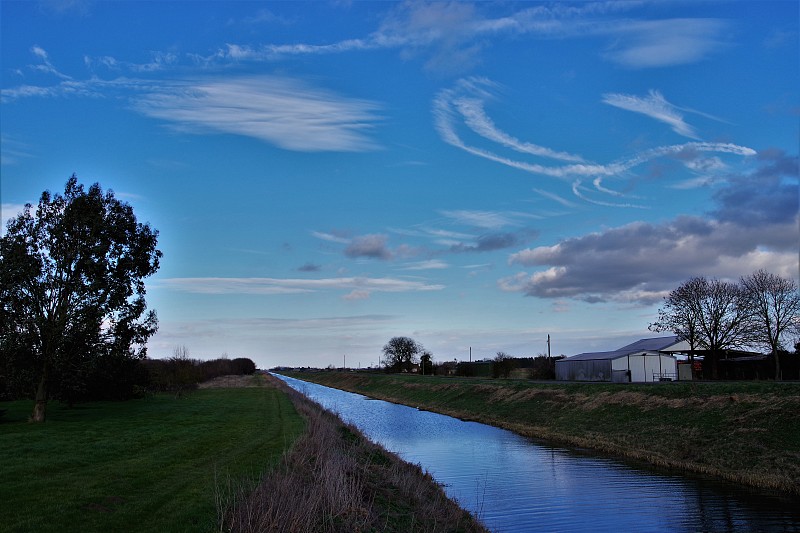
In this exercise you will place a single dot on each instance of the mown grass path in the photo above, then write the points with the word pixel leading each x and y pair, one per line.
pixel 144 465
pixel 746 432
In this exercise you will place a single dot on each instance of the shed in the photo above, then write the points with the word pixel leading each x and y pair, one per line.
pixel 645 360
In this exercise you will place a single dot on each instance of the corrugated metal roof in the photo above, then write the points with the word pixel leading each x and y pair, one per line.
pixel 642 345
pixel 650 345
pixel 593 356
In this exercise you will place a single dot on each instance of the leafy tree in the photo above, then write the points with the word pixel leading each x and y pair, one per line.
pixel 401 353
pixel 775 304
pixel 426 363
pixel 72 288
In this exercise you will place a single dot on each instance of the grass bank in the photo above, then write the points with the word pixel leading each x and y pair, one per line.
pixel 145 465
pixel 334 479
pixel 747 432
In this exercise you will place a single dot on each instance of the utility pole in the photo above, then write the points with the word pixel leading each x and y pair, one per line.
pixel 344 361
pixel 470 354
pixel 548 346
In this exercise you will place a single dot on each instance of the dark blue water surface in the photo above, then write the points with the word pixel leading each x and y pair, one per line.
pixel 516 484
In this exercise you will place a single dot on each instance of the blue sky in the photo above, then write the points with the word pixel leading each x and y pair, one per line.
pixel 328 175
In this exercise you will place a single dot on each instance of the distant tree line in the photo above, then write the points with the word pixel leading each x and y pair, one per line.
pixel 127 379
pixel 404 354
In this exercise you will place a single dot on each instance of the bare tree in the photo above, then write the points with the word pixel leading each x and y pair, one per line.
pixel 401 353
pixel 711 314
pixel 775 304
pixel 502 365
pixel 680 316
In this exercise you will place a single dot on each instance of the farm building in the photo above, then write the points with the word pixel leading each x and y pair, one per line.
pixel 643 361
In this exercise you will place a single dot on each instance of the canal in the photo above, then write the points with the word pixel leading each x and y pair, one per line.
pixel 515 484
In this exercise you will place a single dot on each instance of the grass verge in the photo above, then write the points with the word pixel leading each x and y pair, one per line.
pixel 746 432
pixel 334 479
pixel 143 465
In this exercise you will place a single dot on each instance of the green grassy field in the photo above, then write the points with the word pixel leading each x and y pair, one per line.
pixel 143 465
pixel 748 432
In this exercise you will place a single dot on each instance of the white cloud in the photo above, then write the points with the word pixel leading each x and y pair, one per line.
pixel 432 264
pixel 554 197
pixel 280 111
pixel 7 212
pixel 356 295
pixel 452 35
pixel 654 106
pixel 330 237
pixel 449 117
pixel 640 262
pixel 480 219
pixel 663 43
pixel 269 286
pixel 579 191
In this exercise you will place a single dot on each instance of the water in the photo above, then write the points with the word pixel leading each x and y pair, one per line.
pixel 515 484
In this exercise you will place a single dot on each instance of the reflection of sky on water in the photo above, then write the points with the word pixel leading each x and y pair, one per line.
pixel 515 484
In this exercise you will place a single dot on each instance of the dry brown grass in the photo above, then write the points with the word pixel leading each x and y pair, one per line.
pixel 232 382
pixel 746 433
pixel 335 480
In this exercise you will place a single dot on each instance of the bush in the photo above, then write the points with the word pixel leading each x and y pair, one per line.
pixel 177 374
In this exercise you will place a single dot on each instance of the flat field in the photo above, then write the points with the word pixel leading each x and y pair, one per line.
pixel 154 464
pixel 746 432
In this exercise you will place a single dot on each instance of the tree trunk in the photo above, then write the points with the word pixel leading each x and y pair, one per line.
pixel 40 407
pixel 778 376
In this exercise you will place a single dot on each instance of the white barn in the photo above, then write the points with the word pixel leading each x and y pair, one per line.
pixel 645 360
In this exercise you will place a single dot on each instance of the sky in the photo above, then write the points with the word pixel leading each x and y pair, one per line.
pixel 325 176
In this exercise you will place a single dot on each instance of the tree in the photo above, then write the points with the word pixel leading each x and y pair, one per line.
pixel 502 365
pixel 725 321
pixel 426 363
pixel 713 312
pixel 775 304
pixel 680 314
pixel 401 353
pixel 72 288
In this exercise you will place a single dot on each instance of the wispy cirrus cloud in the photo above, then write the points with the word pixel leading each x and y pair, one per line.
pixel 451 118
pixel 281 111
pixel 336 237
pixel 431 264
pixel 654 105
pixel 451 36
pixel 46 66
pixel 479 219
pixel 666 42
pixel 554 197
pixel 270 286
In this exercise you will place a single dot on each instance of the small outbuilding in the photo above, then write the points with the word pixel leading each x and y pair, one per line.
pixel 646 360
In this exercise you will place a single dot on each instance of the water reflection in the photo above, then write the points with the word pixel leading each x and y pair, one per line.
pixel 515 484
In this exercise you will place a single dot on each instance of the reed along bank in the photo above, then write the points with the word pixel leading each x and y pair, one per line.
pixel 745 432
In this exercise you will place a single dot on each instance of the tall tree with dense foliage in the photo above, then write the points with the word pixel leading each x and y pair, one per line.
pixel 400 353
pixel 72 288
pixel 775 304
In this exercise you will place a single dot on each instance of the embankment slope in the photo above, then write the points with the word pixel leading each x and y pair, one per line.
pixel 743 432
